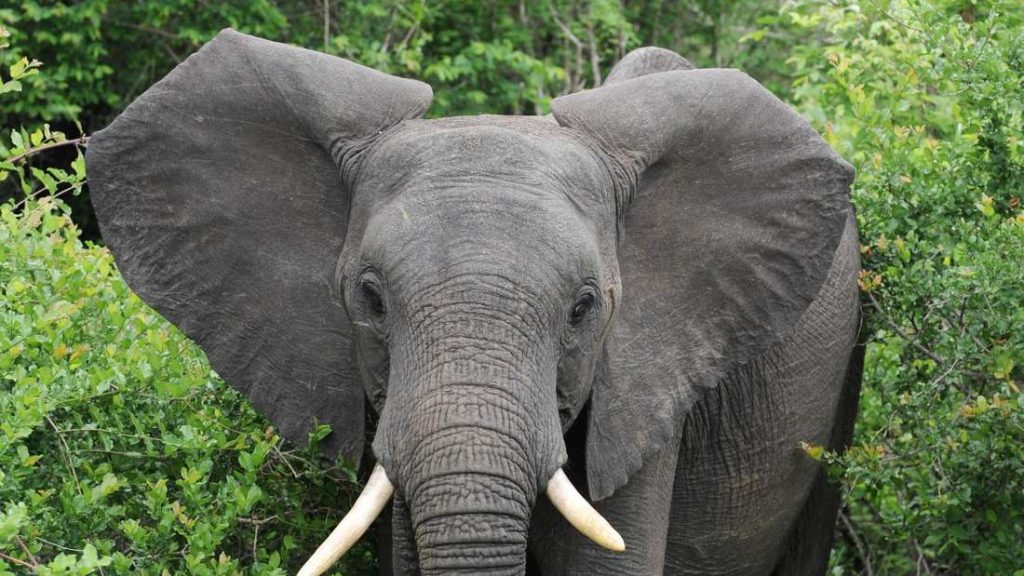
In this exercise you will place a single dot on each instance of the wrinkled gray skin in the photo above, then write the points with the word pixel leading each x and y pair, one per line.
pixel 654 289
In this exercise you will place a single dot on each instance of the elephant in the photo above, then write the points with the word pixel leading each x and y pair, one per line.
pixel 584 343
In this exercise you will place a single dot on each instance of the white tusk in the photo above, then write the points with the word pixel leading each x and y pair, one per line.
pixel 581 514
pixel 368 506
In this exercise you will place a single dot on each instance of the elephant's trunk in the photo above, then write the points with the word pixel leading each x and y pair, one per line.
pixel 467 522
pixel 472 475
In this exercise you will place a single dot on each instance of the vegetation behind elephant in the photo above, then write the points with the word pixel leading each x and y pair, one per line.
pixel 653 290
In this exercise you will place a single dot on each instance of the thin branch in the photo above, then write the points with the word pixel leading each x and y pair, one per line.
pixel 285 460
pixel 852 533
pixel 567 85
pixel 327 23
pixel 57 194
pixel 386 45
pixel 595 61
pixel 67 454
pixel 912 340
pixel 895 19
pixel 60 546
pixel 620 41
pixel 255 521
pixel 27 551
pixel 408 35
pixel 921 561
pixel 255 539
pixel 158 32
pixel 579 48
pixel 170 52
pixel 84 140
pixel 17 561
pixel 565 29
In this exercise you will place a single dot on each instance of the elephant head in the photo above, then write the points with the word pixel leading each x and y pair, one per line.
pixel 477 282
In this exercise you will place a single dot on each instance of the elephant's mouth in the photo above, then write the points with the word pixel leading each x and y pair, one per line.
pixel 378 491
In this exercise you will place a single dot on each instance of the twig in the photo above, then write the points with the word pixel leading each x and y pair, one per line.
pixel 921 561
pixel 83 140
pixel 67 454
pixel 60 546
pixel 57 194
pixel 595 61
pixel 327 23
pixel 27 551
pixel 576 41
pixel 170 52
pixel 386 45
pixel 286 462
pixel 256 521
pixel 17 561
pixel 852 533
pixel 567 85
pixel 895 19
pixel 913 341
pixel 122 453
pixel 158 32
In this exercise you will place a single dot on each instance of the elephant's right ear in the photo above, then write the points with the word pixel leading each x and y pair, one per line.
pixel 727 238
pixel 222 194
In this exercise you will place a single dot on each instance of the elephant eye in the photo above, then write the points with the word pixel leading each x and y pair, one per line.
pixel 584 302
pixel 370 291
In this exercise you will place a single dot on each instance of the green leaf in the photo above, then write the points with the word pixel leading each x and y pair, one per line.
pixel 17 70
pixel 11 521
pixel 48 182
pixel 10 86
pixel 78 165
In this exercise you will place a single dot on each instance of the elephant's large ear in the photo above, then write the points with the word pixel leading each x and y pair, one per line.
pixel 222 193
pixel 728 237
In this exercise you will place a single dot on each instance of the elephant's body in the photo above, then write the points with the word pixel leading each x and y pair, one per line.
pixel 654 289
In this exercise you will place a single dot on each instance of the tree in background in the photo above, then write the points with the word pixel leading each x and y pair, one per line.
pixel 499 57
pixel 927 100
pixel 119 448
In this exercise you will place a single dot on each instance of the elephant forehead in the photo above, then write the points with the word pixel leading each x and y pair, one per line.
pixel 517 197
pixel 503 230
pixel 531 155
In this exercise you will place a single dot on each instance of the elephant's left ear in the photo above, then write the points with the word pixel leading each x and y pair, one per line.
pixel 727 238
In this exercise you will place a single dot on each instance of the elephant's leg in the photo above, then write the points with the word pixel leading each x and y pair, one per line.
pixel 810 542
pixel 639 511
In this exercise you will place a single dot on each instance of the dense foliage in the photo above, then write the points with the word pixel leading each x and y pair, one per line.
pixel 499 57
pixel 119 448
pixel 926 99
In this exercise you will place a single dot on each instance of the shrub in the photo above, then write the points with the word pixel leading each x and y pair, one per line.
pixel 119 447
pixel 927 100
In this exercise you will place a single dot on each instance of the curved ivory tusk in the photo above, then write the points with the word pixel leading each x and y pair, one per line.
pixel 368 506
pixel 581 514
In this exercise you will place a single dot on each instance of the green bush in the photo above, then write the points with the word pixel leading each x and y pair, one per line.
pixel 119 446
pixel 927 100
pixel 120 449
pixel 498 57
